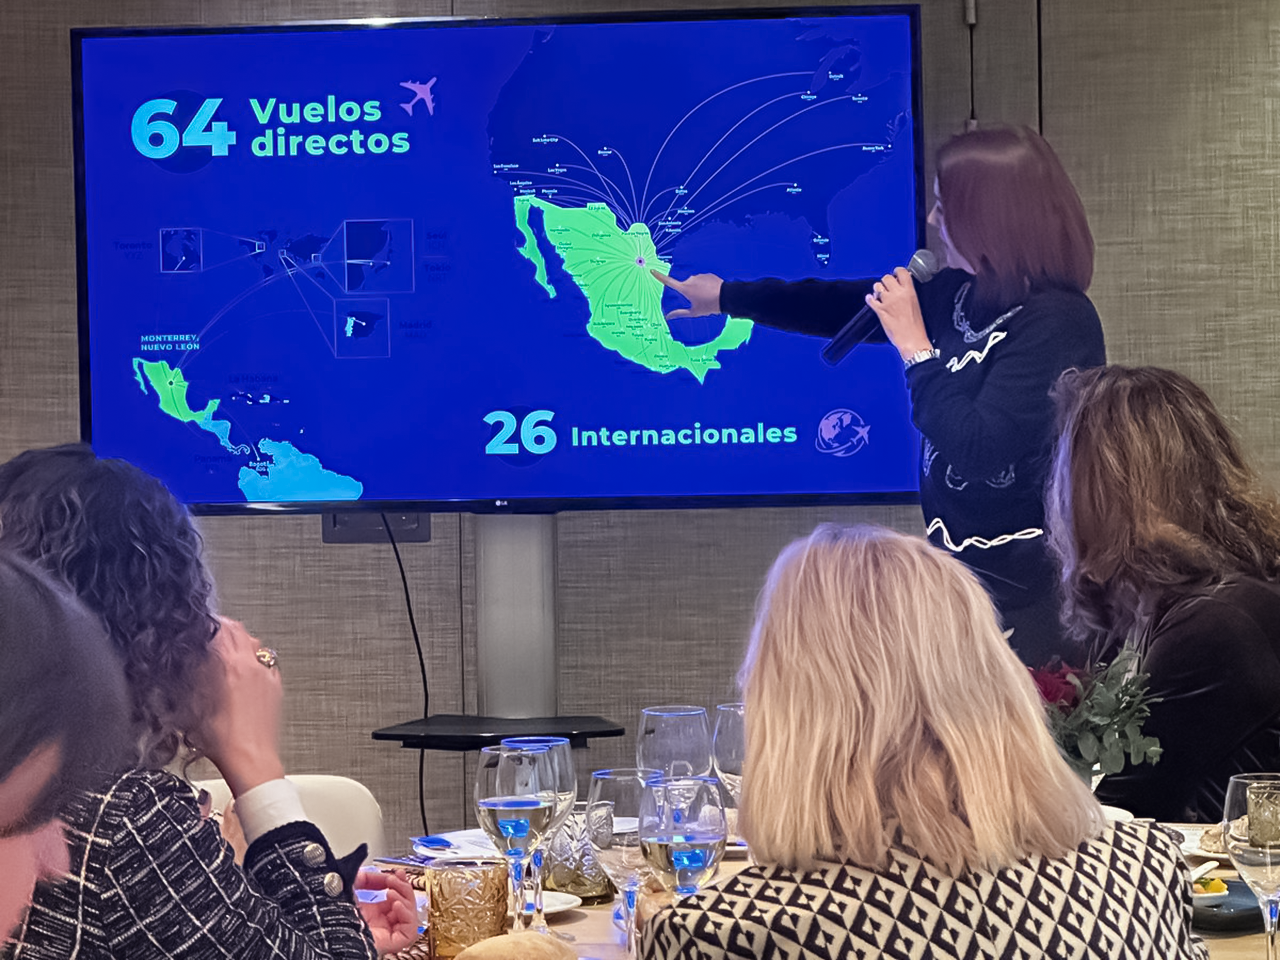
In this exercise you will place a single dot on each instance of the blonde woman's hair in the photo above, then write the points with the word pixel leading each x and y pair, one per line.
pixel 880 694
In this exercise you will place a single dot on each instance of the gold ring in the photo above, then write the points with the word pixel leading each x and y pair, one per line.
pixel 267 657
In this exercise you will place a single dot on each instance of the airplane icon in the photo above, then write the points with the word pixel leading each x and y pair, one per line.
pixel 862 434
pixel 421 91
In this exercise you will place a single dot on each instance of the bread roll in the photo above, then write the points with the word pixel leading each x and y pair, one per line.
pixel 519 946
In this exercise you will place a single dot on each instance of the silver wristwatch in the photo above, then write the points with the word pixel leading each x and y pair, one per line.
pixel 920 356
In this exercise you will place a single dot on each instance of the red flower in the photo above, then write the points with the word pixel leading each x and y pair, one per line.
pixel 1052 680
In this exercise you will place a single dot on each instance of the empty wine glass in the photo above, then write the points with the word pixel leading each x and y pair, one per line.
pixel 1251 833
pixel 674 740
pixel 729 747
pixel 682 831
pixel 563 783
pixel 515 805
pixel 613 825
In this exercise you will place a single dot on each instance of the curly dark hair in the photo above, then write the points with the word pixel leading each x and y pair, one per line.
pixel 1150 500
pixel 131 554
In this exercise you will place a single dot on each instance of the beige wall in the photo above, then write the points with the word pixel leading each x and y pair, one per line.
pixel 1164 114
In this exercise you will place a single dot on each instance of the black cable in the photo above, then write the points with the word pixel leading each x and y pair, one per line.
pixel 973 98
pixel 1039 68
pixel 422 796
pixel 422 664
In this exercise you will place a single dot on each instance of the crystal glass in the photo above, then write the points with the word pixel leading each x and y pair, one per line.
pixel 613 826
pixel 466 903
pixel 563 783
pixel 729 748
pixel 682 831
pixel 1251 833
pixel 571 863
pixel 674 740
pixel 515 805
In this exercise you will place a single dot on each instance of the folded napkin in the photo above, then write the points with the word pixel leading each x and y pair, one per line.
pixel 464 843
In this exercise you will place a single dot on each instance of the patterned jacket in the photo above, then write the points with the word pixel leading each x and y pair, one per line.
pixel 1122 896
pixel 151 878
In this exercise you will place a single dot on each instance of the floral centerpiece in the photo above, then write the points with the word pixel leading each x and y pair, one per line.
pixel 1096 714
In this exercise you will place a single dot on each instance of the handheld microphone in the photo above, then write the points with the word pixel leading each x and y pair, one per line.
pixel 923 266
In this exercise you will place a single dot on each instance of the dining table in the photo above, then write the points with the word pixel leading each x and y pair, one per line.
pixel 596 936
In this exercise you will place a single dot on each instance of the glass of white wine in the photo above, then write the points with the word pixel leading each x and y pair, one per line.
pixel 1251 833
pixel 516 806
pixel 682 831
pixel 561 779
pixel 613 825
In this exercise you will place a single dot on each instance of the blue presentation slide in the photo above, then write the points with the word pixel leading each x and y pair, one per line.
pixel 413 263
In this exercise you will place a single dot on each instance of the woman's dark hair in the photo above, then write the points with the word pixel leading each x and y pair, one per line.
pixel 1150 499
pixel 1013 213
pixel 60 686
pixel 130 553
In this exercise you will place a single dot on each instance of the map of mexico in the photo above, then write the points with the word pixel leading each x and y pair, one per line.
pixel 611 267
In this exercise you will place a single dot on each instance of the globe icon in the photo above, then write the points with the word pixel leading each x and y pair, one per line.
pixel 842 433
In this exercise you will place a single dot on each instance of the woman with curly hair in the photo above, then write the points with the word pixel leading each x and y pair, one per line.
pixel 1168 543
pixel 150 875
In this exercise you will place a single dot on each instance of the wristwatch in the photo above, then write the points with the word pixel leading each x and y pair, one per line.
pixel 920 356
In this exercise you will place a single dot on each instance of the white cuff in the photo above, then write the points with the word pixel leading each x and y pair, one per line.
pixel 268 806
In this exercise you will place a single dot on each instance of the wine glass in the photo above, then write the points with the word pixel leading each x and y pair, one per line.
pixel 729 747
pixel 515 805
pixel 682 831
pixel 728 751
pixel 1251 833
pixel 613 825
pixel 674 740
pixel 563 785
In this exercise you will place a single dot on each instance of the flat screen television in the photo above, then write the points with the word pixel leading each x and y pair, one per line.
pixel 372 264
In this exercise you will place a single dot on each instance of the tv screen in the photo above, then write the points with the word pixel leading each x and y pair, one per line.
pixel 337 265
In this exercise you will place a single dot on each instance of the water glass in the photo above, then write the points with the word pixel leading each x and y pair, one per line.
pixel 683 831
pixel 466 903
pixel 1251 832
pixel 674 740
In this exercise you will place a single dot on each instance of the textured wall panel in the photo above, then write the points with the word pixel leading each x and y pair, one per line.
pixel 654 607
pixel 1165 114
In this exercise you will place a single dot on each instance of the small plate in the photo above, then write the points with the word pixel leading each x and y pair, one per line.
pixel 1190 846
pixel 1239 911
pixel 553 902
pixel 1209 899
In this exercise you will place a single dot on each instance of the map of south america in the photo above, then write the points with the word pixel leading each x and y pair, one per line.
pixel 611 268
pixel 279 471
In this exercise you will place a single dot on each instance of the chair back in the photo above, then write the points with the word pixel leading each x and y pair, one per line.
pixel 344 810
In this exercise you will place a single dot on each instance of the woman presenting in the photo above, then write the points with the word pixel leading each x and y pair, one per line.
pixel 982 344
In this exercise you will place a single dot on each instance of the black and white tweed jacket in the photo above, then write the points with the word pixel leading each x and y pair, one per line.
pixel 152 878
pixel 1122 896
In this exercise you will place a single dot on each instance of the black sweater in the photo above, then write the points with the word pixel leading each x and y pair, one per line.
pixel 986 418
pixel 1214 663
